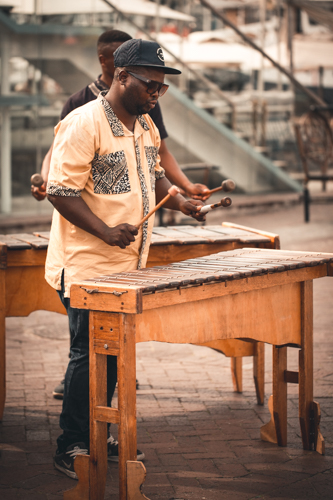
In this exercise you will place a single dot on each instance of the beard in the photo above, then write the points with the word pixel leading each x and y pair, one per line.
pixel 132 104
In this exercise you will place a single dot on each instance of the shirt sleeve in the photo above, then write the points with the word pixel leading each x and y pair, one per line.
pixel 156 116
pixel 73 151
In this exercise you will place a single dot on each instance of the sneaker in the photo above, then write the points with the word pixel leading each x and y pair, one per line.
pixel 58 392
pixel 65 461
pixel 113 455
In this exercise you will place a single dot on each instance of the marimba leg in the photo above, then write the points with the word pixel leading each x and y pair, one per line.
pixel 136 475
pixel 237 373
pixel 82 488
pixel 309 411
pixel 259 371
pixel 2 340
pixel 276 430
pixel 280 394
pixel 98 430
pixel 131 472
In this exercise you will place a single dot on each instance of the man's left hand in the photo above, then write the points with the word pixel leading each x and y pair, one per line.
pixel 191 207
pixel 197 191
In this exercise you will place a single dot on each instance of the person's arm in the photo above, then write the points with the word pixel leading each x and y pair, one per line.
pixel 46 164
pixel 75 210
pixel 188 207
pixel 39 193
pixel 177 176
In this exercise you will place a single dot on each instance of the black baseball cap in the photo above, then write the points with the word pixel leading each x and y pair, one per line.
pixel 137 52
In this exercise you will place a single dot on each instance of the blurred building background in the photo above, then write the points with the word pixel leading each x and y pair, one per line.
pixel 230 114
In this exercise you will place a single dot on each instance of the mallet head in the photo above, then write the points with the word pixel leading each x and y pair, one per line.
pixel 228 185
pixel 226 202
pixel 173 191
pixel 37 180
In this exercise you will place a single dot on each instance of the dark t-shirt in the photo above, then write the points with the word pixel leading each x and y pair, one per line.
pixel 90 92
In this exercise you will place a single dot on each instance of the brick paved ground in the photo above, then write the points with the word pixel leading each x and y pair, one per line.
pixel 201 440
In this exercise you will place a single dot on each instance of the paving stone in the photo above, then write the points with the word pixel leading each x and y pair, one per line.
pixel 38 435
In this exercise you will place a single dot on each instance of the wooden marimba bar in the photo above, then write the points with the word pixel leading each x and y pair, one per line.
pixel 257 294
pixel 22 263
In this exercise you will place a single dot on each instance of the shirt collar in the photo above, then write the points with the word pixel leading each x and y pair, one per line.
pixel 100 84
pixel 114 122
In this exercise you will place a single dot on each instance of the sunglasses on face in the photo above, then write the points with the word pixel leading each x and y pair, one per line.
pixel 152 85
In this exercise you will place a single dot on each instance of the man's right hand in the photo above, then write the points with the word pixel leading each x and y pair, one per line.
pixel 39 193
pixel 120 236
pixel 77 212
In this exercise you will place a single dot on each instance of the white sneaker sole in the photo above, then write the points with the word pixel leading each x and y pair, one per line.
pixel 68 473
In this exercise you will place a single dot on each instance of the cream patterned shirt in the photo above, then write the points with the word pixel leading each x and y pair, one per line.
pixel 114 171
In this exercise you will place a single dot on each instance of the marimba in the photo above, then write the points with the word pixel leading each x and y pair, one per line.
pixel 23 288
pixel 256 294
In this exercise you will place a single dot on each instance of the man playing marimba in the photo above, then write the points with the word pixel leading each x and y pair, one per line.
pixel 107 43
pixel 104 177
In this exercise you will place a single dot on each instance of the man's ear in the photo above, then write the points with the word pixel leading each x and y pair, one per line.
pixel 101 59
pixel 122 77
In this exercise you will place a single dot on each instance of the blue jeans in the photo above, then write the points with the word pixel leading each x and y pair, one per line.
pixel 74 418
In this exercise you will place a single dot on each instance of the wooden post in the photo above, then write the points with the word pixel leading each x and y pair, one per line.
pixel 236 373
pixel 126 400
pixel 275 431
pixel 280 394
pixel 306 362
pixel 98 429
pixel 136 475
pixel 259 371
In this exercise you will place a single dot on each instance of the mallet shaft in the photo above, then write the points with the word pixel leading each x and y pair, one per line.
pixel 226 186
pixel 173 191
pixel 225 202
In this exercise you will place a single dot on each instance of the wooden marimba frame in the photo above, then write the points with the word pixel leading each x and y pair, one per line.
pixel 224 296
pixel 23 288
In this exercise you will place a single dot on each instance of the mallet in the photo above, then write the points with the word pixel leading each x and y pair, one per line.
pixel 226 186
pixel 37 180
pixel 225 202
pixel 172 191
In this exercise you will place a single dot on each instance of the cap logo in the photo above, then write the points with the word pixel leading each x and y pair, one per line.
pixel 160 54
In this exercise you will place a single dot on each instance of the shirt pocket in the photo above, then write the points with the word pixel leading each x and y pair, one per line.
pixel 110 173
pixel 151 155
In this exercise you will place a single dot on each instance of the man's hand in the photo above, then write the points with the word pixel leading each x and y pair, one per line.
pixel 77 212
pixel 39 193
pixel 197 191
pixel 191 208
pixel 120 236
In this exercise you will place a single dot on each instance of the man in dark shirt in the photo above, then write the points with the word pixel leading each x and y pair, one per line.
pixel 107 43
